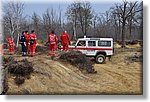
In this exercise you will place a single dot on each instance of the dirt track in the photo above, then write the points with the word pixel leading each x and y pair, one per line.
pixel 118 76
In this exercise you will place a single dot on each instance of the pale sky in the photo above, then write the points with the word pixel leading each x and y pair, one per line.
pixel 40 6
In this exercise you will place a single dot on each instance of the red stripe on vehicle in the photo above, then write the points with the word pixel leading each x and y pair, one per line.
pixel 90 48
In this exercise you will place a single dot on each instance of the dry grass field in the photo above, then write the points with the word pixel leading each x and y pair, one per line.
pixel 120 75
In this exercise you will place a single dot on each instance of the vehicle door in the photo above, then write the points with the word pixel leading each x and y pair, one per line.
pixel 91 48
pixel 81 46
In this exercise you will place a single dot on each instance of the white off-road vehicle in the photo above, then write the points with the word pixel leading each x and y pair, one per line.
pixel 100 48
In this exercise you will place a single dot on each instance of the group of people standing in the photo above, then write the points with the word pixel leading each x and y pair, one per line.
pixel 28 43
pixel 53 41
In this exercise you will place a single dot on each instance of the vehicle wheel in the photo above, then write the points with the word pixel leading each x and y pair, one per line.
pixel 100 59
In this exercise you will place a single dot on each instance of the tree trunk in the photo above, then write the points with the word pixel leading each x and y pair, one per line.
pixel 74 31
pixel 119 29
pixel 17 40
pixel 130 26
pixel 123 34
pixel 85 30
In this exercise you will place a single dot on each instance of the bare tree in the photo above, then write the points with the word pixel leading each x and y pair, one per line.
pixel 104 25
pixel 12 17
pixel 72 15
pixel 47 21
pixel 124 11
pixel 141 20
pixel 36 23
pixel 51 20
pixel 80 13
pixel 85 16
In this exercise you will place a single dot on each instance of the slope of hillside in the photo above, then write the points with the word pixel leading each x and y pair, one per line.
pixel 118 76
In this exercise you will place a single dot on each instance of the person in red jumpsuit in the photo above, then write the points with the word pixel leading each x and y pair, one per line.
pixel 32 39
pixel 27 42
pixel 53 40
pixel 65 38
pixel 11 45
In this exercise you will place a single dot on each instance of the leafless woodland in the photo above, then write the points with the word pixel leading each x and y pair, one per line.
pixel 123 21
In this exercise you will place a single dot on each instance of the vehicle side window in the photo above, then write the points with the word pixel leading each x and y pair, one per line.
pixel 91 43
pixel 81 43
pixel 104 43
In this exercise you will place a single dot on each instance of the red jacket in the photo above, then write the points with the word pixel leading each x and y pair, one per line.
pixel 27 37
pixel 52 39
pixel 10 41
pixel 64 37
pixel 1 46
pixel 32 37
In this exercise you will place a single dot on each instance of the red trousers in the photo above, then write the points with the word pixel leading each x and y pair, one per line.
pixel 65 46
pixel 52 50
pixel 32 49
pixel 11 49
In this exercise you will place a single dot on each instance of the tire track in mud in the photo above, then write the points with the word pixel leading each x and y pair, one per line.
pixel 125 80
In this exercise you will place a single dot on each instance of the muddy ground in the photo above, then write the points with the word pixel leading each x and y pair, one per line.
pixel 120 75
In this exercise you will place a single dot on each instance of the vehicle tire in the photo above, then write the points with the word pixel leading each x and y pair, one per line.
pixel 100 59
